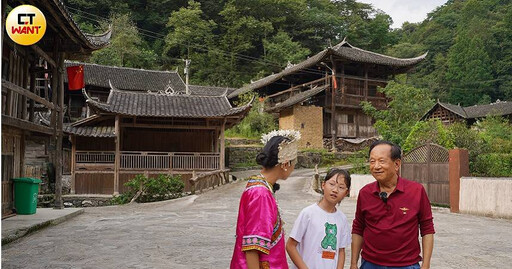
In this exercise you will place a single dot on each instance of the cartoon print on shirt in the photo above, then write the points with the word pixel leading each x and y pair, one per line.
pixel 330 239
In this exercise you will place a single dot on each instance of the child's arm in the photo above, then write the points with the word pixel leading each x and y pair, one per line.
pixel 291 248
pixel 341 258
pixel 252 257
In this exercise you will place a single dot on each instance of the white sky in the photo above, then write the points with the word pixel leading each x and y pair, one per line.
pixel 405 10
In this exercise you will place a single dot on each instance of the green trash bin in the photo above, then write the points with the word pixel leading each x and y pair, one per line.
pixel 25 195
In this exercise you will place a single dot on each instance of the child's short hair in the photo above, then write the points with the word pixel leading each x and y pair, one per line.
pixel 335 171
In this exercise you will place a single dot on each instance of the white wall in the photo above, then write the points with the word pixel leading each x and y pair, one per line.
pixel 486 196
pixel 358 182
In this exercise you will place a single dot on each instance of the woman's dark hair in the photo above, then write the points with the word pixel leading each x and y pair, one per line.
pixel 268 157
pixel 337 171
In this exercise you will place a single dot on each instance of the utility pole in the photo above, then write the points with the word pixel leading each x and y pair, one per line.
pixel 187 71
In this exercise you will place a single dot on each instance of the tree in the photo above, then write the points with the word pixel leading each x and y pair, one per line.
pixel 431 131
pixel 189 31
pixel 126 46
pixel 281 49
pixel 407 106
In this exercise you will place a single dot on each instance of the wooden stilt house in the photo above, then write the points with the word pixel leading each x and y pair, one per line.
pixel 33 80
pixel 448 113
pixel 321 96
pixel 151 133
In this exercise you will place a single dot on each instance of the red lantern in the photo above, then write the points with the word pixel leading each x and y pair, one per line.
pixel 76 77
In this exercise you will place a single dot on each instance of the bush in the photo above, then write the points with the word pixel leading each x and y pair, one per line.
pixel 256 123
pixel 467 138
pixel 322 157
pixel 432 131
pixel 493 165
pixel 162 187
pixel 496 133
pixel 360 162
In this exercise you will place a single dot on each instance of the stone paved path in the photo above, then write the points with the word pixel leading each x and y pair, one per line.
pixel 198 232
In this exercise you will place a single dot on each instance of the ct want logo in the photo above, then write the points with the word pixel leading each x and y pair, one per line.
pixel 25 25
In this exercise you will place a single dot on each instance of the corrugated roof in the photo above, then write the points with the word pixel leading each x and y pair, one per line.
pixel 342 50
pixel 166 105
pixel 297 98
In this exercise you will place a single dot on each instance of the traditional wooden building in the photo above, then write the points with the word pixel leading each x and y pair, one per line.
pixel 22 67
pixel 159 132
pixel 449 113
pixel 98 79
pixel 321 96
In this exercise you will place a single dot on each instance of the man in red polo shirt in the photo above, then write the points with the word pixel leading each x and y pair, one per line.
pixel 388 215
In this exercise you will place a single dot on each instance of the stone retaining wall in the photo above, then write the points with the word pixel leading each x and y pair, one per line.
pixel 47 200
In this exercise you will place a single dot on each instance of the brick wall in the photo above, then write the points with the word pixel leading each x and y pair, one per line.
pixel 308 120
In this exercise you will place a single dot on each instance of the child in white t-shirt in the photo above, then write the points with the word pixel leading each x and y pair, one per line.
pixel 321 232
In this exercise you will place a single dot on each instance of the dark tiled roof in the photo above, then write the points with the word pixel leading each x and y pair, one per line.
pixel 94 131
pixel 72 128
pixel 297 98
pixel 275 77
pixel 129 78
pixel 500 108
pixel 455 109
pixel 343 50
pixel 163 105
pixel 209 90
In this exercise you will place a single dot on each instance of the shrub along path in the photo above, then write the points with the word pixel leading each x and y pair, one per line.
pixel 198 232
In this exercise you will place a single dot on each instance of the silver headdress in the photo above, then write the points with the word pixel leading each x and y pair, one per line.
pixel 287 148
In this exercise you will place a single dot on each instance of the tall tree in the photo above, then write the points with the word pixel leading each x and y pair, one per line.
pixel 126 46
pixel 189 31
pixel 281 49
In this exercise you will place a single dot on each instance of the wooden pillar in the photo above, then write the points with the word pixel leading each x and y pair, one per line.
pixel 365 82
pixel 73 164
pixel 60 135
pixel 8 101
pixel 217 148
pixel 333 108
pixel 24 84
pixel 343 90
pixel 222 146
pixel 458 167
pixel 117 163
pixel 32 89
pixel 356 121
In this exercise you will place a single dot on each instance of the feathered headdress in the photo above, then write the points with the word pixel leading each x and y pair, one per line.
pixel 287 148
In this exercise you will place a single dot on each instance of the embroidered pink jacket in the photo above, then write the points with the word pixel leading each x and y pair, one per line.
pixel 259 227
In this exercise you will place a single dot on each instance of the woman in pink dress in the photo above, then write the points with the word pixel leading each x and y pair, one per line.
pixel 259 232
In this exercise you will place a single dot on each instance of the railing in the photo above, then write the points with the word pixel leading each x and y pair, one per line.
pixel 136 160
pixel 95 156
pixel 355 100
pixel 171 160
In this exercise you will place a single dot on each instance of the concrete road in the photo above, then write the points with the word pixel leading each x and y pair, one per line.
pixel 198 232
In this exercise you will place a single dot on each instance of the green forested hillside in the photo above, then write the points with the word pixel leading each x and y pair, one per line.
pixel 231 42
pixel 470 51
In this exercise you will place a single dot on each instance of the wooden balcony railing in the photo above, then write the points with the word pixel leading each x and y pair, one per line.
pixel 15 107
pixel 136 160
pixel 95 156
